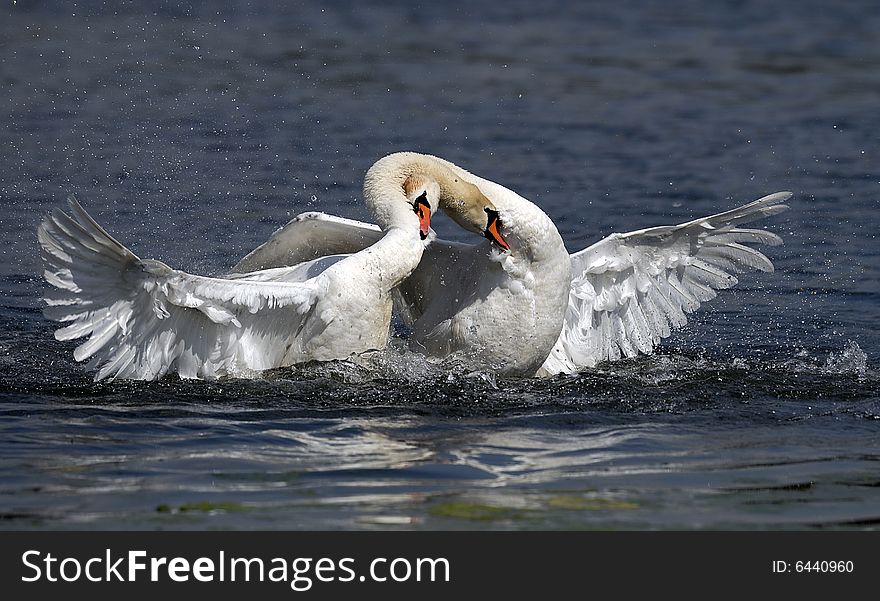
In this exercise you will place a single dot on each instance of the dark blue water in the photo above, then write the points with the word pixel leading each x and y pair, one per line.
pixel 763 413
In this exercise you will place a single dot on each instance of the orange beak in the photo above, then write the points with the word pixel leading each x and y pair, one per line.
pixel 492 232
pixel 423 210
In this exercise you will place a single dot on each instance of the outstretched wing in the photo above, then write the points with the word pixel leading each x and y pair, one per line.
pixel 309 236
pixel 145 319
pixel 444 266
pixel 445 276
pixel 630 290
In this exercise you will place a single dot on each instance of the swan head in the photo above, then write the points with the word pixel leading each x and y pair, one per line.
pixel 472 210
pixel 401 200
pixel 405 189
pixel 423 194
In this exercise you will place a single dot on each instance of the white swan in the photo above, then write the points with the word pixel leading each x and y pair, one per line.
pixel 146 319
pixel 533 309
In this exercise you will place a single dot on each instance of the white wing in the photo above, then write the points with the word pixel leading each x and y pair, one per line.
pixel 145 319
pixel 630 290
pixel 446 277
pixel 309 236
pixel 445 267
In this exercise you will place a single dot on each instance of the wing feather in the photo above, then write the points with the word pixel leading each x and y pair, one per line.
pixel 144 319
pixel 309 236
pixel 445 270
pixel 629 291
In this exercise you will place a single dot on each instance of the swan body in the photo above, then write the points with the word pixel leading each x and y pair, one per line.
pixel 495 309
pixel 145 319
pixel 533 309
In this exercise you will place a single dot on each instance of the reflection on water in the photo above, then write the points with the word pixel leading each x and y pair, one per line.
pixel 193 132
pixel 634 445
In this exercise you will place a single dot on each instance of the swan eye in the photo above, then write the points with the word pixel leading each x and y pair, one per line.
pixel 493 229
pixel 421 201
pixel 422 208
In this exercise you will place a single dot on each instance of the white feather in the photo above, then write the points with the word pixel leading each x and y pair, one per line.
pixel 144 319
pixel 646 281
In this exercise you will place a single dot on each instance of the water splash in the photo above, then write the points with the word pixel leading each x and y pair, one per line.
pixel 396 363
pixel 851 360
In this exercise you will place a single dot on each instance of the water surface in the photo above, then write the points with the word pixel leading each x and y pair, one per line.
pixel 193 131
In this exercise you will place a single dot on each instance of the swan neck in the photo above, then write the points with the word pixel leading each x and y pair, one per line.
pixel 393 258
pixel 384 183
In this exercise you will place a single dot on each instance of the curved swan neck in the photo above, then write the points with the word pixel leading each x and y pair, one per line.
pixel 388 262
pixel 397 254
pixel 531 232
pixel 384 193
pixel 387 176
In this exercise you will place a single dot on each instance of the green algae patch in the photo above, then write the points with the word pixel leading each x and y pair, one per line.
pixel 72 469
pixel 208 506
pixel 476 512
pixel 578 503
pixel 204 506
